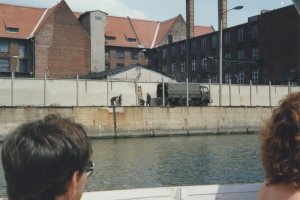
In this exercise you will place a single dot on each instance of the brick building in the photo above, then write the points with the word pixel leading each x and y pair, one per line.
pixel 38 41
pixel 129 41
pixel 264 49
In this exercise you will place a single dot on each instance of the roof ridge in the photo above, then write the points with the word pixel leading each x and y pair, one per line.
pixel 133 18
pixel 172 25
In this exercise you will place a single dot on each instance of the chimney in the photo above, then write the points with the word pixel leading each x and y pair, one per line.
pixel 222 8
pixel 189 18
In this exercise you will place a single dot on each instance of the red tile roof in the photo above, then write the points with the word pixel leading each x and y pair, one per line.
pixel 127 32
pixel 21 17
pixel 164 28
pixel 202 30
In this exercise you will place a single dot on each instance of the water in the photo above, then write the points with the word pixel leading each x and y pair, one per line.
pixel 172 161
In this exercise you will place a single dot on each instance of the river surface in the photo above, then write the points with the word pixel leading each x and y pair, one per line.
pixel 172 161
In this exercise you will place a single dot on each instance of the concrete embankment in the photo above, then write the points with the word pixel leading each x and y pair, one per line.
pixel 145 121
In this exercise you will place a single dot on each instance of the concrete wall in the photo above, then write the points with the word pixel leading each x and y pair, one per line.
pixel 98 21
pixel 52 92
pixel 145 121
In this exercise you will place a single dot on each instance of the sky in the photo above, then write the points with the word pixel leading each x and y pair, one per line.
pixel 205 11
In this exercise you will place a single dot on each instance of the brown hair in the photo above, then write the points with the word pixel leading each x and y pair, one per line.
pixel 40 157
pixel 281 142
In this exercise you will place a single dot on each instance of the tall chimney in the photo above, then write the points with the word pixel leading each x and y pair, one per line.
pixel 189 18
pixel 222 8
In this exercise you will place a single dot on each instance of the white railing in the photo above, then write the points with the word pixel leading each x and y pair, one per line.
pixel 204 192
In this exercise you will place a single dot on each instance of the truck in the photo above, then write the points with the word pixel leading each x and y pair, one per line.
pixel 176 94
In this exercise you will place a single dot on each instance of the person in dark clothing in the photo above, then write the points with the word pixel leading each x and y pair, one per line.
pixel 148 101
pixel 119 100
pixel 142 102
pixel 113 101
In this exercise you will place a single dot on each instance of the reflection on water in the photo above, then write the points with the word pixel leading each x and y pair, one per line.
pixel 172 161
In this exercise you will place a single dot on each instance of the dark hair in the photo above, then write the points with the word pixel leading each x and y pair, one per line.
pixel 281 142
pixel 39 158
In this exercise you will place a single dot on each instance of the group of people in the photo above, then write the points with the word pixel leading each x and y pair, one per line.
pixel 49 159
pixel 148 100
pixel 116 101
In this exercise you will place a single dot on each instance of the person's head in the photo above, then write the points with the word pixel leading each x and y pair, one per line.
pixel 46 159
pixel 281 142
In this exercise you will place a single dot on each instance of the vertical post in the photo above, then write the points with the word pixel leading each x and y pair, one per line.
pixel 115 120
pixel 45 89
pixel 250 93
pixel 107 91
pixel 12 88
pixel 270 96
pixel 289 87
pixel 230 92
pixel 136 93
pixel 163 93
pixel 77 91
pixel 187 91
pixel 220 59
pixel 209 88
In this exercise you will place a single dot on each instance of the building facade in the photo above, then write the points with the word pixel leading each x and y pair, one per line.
pixel 264 49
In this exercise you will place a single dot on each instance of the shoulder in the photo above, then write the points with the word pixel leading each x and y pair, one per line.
pixel 262 194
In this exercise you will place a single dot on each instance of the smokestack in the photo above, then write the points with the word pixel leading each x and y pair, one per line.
pixel 189 18
pixel 222 8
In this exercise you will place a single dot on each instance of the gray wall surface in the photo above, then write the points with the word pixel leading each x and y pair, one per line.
pixel 72 92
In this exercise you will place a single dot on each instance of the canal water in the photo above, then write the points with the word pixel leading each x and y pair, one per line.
pixel 172 161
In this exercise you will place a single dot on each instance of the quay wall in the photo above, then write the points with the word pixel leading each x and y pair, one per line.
pixel 145 121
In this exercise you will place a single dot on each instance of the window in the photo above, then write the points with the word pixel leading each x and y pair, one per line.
pixel 214 78
pixel 120 54
pixel 22 49
pixel 240 77
pixel 12 30
pixel 182 49
pixel 182 67
pixel 106 54
pixel 173 51
pixel 164 53
pixel 254 53
pixel 193 47
pixel 23 67
pixel 4 46
pixel 134 54
pixel 193 65
pixel 241 54
pixel 131 39
pixel 203 44
pixel 227 77
pixel 227 38
pixel 254 31
pixel 4 65
pixel 110 37
pixel 240 34
pixel 214 41
pixel 255 75
pixel 227 56
pixel 173 68
pixel 203 63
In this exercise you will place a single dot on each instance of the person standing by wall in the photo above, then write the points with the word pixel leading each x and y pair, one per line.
pixel 148 100
pixel 48 159
pixel 280 151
